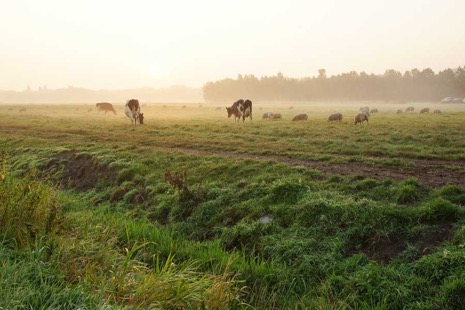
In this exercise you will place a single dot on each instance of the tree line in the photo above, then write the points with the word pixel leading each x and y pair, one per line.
pixel 413 85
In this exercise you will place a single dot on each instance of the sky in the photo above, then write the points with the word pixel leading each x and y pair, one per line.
pixel 103 44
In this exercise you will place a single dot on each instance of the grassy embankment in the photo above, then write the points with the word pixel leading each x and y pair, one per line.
pixel 174 214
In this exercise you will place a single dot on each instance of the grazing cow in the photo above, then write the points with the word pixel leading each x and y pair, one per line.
pixel 132 110
pixel 360 118
pixel 300 117
pixel 374 111
pixel 424 110
pixel 267 115
pixel 276 116
pixel 437 111
pixel 410 109
pixel 399 111
pixel 335 117
pixel 240 108
pixel 105 106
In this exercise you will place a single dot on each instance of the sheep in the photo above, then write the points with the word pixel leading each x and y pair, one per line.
pixel 399 111
pixel 437 111
pixel 360 118
pixel 276 116
pixel 409 109
pixel 365 110
pixel 267 115
pixel 335 117
pixel 300 117
pixel 374 111
pixel 424 110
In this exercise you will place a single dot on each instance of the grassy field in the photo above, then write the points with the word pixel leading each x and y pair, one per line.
pixel 191 210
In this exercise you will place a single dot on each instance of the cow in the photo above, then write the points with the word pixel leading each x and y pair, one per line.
pixel 360 118
pixel 374 111
pixel 424 110
pixel 240 108
pixel 105 106
pixel 132 110
pixel 335 117
pixel 410 109
pixel 300 117
pixel 399 111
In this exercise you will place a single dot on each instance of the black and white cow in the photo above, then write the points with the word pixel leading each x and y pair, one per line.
pixel 132 110
pixel 240 108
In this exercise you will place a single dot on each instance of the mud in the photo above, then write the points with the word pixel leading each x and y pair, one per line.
pixel 431 173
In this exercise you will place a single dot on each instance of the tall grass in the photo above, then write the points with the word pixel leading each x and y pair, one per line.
pixel 29 209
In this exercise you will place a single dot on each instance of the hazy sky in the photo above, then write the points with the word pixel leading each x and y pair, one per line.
pixel 140 43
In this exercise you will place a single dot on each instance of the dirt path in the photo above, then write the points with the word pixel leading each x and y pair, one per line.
pixel 433 173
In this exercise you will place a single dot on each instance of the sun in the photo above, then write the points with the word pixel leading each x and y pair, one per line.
pixel 154 70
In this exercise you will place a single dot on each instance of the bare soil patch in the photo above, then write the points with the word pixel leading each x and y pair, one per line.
pixel 80 171
pixel 432 173
pixel 383 249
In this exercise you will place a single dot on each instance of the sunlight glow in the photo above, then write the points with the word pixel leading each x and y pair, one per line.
pixel 154 70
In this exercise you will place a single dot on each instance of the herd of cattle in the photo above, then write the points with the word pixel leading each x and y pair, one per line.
pixel 243 109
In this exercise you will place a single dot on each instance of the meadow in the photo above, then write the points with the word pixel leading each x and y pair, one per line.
pixel 193 211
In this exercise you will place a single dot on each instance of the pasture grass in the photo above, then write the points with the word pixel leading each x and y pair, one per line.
pixel 97 213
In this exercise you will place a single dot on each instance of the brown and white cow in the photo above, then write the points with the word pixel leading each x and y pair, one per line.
pixel 105 106
pixel 132 110
pixel 240 108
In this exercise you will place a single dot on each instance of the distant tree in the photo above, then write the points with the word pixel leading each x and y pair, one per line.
pixel 322 73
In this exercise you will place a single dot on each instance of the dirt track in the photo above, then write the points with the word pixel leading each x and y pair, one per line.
pixel 432 173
